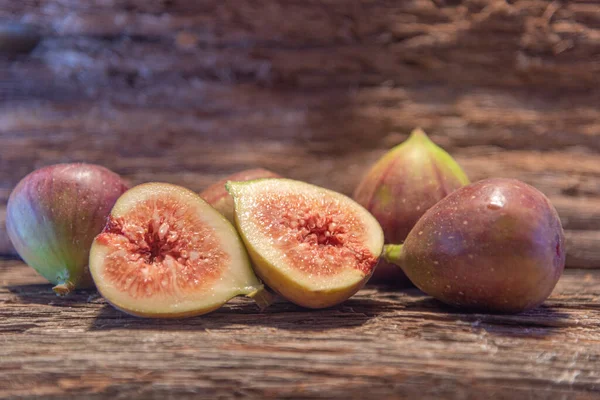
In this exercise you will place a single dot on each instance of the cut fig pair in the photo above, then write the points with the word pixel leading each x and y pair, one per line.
pixel 165 252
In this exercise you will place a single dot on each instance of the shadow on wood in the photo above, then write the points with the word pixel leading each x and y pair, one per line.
pixel 285 316
pixel 408 309
pixel 41 293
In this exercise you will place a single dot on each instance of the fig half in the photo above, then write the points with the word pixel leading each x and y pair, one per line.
pixel 315 247
pixel 166 253
pixel 495 245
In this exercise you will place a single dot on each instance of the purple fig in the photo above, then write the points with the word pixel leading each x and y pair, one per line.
pixel 495 245
pixel 402 185
pixel 217 196
pixel 53 215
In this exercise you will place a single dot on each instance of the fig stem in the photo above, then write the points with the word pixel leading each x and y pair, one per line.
pixel 392 253
pixel 262 297
pixel 63 289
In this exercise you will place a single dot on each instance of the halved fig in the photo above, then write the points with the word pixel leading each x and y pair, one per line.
pixel 315 247
pixel 166 253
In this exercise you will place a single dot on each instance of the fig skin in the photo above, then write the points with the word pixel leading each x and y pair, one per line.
pixel 279 274
pixel 401 186
pixel 217 196
pixel 53 215
pixel 495 245
pixel 291 290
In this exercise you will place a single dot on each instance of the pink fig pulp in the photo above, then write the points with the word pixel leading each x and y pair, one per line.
pixel 53 215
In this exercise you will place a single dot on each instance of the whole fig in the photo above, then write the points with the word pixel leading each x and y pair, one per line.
pixel 53 215
pixel 402 185
pixel 495 245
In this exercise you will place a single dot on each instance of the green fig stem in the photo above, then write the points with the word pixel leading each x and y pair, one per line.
pixel 392 253
pixel 262 297
pixel 419 133
pixel 63 289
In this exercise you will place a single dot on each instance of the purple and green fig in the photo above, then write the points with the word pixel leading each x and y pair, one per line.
pixel 53 215
pixel 402 185
pixel 495 245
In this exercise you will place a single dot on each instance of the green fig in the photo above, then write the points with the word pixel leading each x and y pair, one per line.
pixel 402 185
pixel 495 245
pixel 54 214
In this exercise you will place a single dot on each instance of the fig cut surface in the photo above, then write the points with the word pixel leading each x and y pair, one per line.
pixel 313 246
pixel 166 253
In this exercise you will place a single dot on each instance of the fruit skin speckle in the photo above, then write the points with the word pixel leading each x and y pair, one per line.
pixel 401 186
pixel 508 257
pixel 54 214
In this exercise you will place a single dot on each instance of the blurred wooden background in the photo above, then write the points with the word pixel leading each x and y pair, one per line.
pixel 190 91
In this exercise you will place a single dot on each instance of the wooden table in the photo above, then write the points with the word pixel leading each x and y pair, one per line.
pixel 188 92
pixel 381 343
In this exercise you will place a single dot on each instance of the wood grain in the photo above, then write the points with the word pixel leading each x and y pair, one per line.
pixel 386 344
pixel 189 92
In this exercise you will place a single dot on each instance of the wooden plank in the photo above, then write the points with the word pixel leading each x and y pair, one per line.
pixel 181 150
pixel 582 249
pixel 289 140
pixel 392 344
pixel 531 43
pixel 188 92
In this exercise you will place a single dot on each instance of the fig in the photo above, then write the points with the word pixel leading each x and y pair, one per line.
pixel 495 245
pixel 401 186
pixel 53 215
pixel 313 246
pixel 217 196
pixel 166 253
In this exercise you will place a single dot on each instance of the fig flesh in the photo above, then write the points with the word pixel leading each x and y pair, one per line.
pixel 495 245
pixel 53 215
pixel 166 253
pixel 401 186
pixel 313 246
pixel 217 196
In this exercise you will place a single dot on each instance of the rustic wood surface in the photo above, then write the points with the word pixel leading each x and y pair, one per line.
pixel 190 91
pixel 379 344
